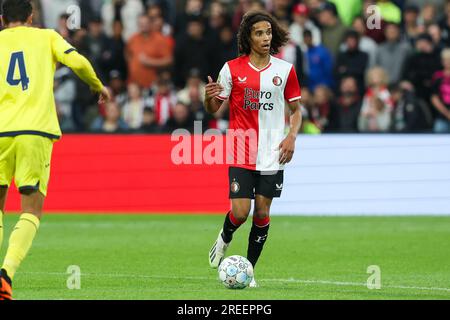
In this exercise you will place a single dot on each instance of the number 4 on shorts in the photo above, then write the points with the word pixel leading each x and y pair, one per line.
pixel 17 58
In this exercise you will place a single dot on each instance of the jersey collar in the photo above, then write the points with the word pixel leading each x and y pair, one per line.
pixel 259 70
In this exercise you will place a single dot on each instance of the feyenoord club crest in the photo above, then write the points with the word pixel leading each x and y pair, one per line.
pixel 277 81
pixel 235 186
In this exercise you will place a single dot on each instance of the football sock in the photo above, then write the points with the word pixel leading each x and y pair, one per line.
pixel 20 242
pixel 230 225
pixel 1 228
pixel 257 238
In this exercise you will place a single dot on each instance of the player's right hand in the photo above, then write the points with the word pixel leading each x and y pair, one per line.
pixel 212 89
pixel 104 95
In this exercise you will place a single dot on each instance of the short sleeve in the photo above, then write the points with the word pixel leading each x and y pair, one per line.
pixel 292 90
pixel 60 47
pixel 226 81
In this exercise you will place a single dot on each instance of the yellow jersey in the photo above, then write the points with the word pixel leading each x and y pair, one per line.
pixel 28 58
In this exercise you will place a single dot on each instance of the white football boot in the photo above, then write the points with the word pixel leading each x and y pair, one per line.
pixel 217 252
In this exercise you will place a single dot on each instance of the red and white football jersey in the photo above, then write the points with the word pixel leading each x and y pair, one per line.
pixel 257 110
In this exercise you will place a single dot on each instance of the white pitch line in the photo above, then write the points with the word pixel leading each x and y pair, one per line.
pixel 355 284
pixel 291 280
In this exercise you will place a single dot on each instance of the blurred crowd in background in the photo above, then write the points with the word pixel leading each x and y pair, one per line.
pixel 358 73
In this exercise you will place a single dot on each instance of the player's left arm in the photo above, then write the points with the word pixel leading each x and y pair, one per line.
pixel 292 95
pixel 63 52
pixel 287 146
pixel 84 70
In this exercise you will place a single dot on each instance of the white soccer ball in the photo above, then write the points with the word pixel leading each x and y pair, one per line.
pixel 235 272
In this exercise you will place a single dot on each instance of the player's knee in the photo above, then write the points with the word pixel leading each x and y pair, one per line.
pixel 241 211
pixel 241 216
pixel 261 213
pixel 32 202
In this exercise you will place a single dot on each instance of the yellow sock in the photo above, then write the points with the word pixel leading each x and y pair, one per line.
pixel 1 228
pixel 20 242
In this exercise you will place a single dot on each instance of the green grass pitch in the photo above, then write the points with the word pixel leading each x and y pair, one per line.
pixel 165 257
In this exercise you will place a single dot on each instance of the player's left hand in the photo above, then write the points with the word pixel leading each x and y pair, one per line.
pixel 287 147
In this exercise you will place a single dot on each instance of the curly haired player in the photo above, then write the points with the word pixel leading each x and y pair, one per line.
pixel 257 85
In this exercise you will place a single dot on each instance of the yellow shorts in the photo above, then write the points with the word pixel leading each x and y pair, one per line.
pixel 27 159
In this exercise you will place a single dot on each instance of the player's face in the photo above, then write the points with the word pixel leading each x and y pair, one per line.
pixel 261 37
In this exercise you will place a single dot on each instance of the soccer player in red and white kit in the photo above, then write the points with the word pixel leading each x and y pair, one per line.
pixel 257 86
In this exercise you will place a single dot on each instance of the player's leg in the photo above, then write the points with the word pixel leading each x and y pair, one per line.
pixel 32 174
pixel 7 165
pixel 241 192
pixel 241 186
pixel 259 231
pixel 240 209
pixel 3 193
pixel 268 186
pixel 238 214
pixel 260 228
pixel 24 232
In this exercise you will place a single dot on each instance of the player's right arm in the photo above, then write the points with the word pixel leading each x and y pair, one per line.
pixel 212 91
pixel 67 55
pixel 217 92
